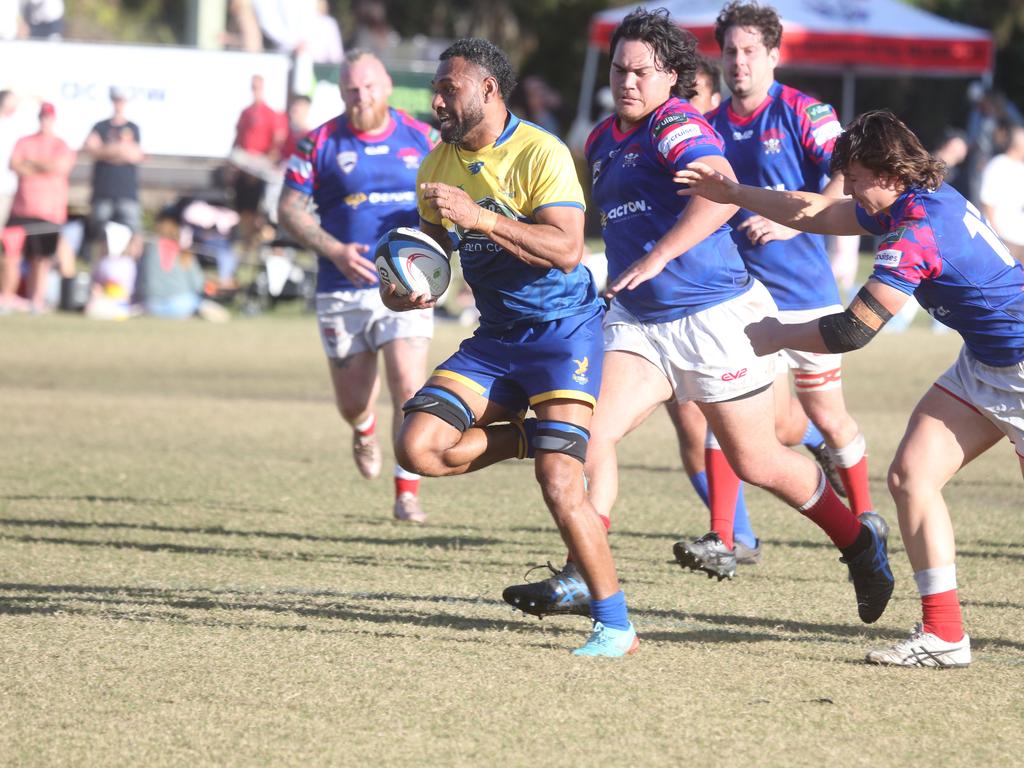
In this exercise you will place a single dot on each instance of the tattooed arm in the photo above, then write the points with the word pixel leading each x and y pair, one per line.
pixel 294 214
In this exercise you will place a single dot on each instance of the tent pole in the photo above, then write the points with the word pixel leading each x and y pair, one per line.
pixel 849 97
pixel 581 125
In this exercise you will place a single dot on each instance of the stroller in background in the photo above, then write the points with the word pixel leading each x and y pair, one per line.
pixel 258 280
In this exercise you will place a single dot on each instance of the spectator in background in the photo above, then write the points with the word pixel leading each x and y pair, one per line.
pixel 325 46
pixel 541 103
pixel 373 31
pixel 952 150
pixel 1002 193
pixel 171 282
pixel 708 82
pixel 259 137
pixel 113 145
pixel 43 163
pixel 113 276
pixel 45 18
pixel 8 138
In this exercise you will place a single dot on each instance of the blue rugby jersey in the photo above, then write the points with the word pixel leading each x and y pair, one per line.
pixel 525 170
pixel 362 184
pixel 786 144
pixel 633 188
pixel 937 246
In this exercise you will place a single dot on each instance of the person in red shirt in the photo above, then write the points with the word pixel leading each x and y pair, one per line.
pixel 260 135
pixel 43 162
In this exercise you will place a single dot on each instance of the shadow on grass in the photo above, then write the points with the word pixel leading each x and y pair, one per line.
pixel 439 541
pixel 137 501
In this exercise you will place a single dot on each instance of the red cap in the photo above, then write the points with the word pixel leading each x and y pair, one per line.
pixel 46 109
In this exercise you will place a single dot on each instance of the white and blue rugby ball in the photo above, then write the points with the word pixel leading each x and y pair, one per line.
pixel 412 262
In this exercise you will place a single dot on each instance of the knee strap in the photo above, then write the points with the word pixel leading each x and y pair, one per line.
pixel 562 437
pixel 446 405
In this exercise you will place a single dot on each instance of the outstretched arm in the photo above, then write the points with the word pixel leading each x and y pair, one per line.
pixel 873 306
pixel 806 211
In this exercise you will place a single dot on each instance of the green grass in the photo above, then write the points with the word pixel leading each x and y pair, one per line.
pixel 192 572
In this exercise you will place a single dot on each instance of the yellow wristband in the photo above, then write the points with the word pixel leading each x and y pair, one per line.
pixel 486 221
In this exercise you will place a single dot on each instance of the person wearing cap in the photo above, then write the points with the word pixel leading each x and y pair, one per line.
pixel 113 144
pixel 43 162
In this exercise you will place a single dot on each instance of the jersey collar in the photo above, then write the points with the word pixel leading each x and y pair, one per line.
pixel 372 138
pixel 773 92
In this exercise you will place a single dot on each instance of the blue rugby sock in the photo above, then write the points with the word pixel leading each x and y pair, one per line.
pixel 812 437
pixel 741 528
pixel 611 611
pixel 700 485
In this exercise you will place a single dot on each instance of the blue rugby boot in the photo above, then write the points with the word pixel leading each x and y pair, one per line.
pixel 606 641
pixel 871 576
pixel 563 593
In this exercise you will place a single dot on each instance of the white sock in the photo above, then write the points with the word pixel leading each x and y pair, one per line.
pixel 851 453
pixel 933 581
pixel 366 424
pixel 402 474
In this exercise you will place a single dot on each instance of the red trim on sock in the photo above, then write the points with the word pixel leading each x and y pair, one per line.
pixel 605 521
pixel 369 430
pixel 407 486
pixel 723 488
pixel 855 481
pixel 832 516
pixel 942 616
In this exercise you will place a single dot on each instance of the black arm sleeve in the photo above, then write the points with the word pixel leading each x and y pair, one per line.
pixel 845 332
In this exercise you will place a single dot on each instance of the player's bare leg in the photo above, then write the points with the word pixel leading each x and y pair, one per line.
pixel 356 387
pixel 405 366
pixel 631 388
pixel 790 418
pixel 943 435
pixel 694 450
pixel 428 445
pixel 826 407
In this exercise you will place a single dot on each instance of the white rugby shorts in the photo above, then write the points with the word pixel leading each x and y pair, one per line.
pixel 706 356
pixel 812 371
pixel 995 392
pixel 357 321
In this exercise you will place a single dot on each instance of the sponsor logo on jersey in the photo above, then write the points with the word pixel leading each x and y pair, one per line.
pixel 378 198
pixel 596 171
pixel 743 135
pixel 625 211
pixel 580 374
pixel 895 236
pixel 771 141
pixel 411 157
pixel 818 112
pixel 305 146
pixel 888 257
pixel 676 136
pixel 377 149
pixel 826 132
pixel 347 161
pixel 355 199
pixel 667 122
pixel 475 167
pixel 631 155
pixel 476 242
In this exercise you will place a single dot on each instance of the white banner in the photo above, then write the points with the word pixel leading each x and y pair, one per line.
pixel 185 101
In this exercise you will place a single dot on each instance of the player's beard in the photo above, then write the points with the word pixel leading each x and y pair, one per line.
pixel 369 117
pixel 454 131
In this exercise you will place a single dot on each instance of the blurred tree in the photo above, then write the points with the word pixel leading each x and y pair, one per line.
pixel 134 21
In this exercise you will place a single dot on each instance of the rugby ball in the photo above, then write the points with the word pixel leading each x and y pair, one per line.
pixel 412 262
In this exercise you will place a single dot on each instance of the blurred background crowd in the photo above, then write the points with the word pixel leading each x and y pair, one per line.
pixel 142 144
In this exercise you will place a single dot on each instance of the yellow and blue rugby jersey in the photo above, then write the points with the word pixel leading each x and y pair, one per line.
pixel 524 170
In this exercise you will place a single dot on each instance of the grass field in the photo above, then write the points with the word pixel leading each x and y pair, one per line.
pixel 193 573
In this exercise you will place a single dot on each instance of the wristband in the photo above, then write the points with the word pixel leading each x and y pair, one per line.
pixel 486 221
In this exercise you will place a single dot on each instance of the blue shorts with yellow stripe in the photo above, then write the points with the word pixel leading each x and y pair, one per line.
pixel 530 364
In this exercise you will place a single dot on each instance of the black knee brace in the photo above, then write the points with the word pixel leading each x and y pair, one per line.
pixel 446 405
pixel 562 437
